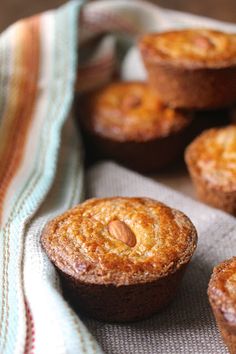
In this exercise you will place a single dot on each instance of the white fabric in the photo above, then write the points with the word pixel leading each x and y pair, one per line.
pixel 56 328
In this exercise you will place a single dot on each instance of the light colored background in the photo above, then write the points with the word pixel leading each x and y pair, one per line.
pixel 11 10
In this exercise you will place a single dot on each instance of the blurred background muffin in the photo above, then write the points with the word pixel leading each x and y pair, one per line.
pixel 127 121
pixel 191 68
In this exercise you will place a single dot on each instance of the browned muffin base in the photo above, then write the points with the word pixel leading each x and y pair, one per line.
pixel 215 197
pixel 123 303
pixel 149 157
pixel 145 157
pixel 227 331
pixel 193 88
pixel 222 303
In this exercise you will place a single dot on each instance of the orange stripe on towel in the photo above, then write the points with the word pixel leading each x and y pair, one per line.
pixel 19 111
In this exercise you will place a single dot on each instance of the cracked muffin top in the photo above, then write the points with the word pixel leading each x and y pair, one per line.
pixel 212 155
pixel 194 47
pixel 222 289
pixel 130 111
pixel 119 241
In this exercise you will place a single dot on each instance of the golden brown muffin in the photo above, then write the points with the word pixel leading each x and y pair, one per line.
pixel 120 259
pixel 126 121
pixel 222 297
pixel 192 68
pixel 211 161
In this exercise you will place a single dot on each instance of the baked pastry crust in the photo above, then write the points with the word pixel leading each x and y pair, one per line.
pixel 192 68
pixel 94 264
pixel 131 111
pixel 222 297
pixel 192 47
pixel 211 160
pixel 80 244
pixel 128 122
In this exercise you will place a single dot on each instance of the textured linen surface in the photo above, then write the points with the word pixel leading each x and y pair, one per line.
pixel 187 325
pixel 41 174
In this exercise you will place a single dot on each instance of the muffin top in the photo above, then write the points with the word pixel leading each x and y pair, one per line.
pixel 119 241
pixel 213 156
pixel 194 47
pixel 129 111
pixel 222 289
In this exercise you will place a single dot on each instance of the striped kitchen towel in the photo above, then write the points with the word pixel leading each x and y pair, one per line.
pixel 37 72
pixel 41 170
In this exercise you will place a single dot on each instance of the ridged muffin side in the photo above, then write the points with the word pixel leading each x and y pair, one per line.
pixel 222 297
pixel 192 68
pixel 211 161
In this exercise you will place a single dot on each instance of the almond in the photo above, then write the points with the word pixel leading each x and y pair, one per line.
pixel 203 42
pixel 131 101
pixel 122 232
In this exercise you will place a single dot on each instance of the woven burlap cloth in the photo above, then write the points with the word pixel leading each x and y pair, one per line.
pixel 187 324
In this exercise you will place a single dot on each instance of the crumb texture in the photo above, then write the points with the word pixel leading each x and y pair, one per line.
pixel 213 156
pixel 204 46
pixel 130 111
pixel 80 244
pixel 222 289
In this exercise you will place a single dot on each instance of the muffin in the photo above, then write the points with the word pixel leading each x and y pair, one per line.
pixel 120 259
pixel 126 121
pixel 211 161
pixel 192 68
pixel 222 297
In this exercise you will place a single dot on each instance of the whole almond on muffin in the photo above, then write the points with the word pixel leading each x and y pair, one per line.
pixel 122 232
pixel 126 121
pixel 211 161
pixel 222 297
pixel 120 259
pixel 192 68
